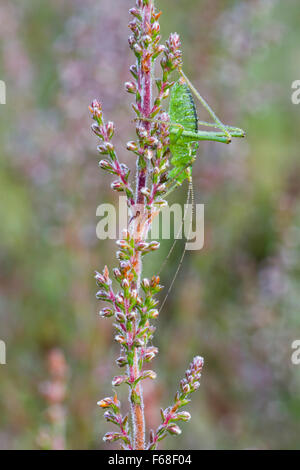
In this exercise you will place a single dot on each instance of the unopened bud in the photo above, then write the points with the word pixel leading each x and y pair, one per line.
pixel 120 317
pixel 118 380
pixel 105 165
pixel 110 129
pixel 119 299
pixel 135 12
pixel 96 129
pixel 102 295
pixel 146 283
pixel 153 313
pixel 146 39
pixel 149 374
pixel 106 312
pixel 122 244
pixel 148 154
pixel 121 361
pixel 142 246
pixel 131 146
pixel 125 284
pixel 117 273
pixel 183 416
pixel 111 436
pixel 174 429
pixel 120 339
pixel 145 192
pixel 137 49
pixel 130 87
pixel 154 245
pixel 105 402
pixel 133 70
pixel 155 27
pixel 117 185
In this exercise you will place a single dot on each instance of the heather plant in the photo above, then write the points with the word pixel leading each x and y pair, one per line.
pixel 134 305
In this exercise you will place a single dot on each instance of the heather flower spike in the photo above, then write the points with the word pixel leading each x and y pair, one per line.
pixel 131 299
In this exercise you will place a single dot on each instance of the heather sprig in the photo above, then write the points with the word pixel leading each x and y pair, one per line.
pixel 132 301
pixel 53 435
pixel 170 416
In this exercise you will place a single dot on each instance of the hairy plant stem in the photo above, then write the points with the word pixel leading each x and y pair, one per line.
pixel 144 66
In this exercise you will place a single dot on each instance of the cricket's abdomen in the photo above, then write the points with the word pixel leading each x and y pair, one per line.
pixel 183 112
pixel 182 107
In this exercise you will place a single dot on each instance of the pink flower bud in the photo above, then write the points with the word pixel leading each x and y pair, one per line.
pixel 121 361
pixel 118 380
pixel 149 374
pixel 185 388
pixel 146 283
pixel 125 284
pixel 96 109
pixel 122 244
pixel 145 192
pixel 154 245
pixel 131 41
pixel 102 295
pixel 139 343
pixel 153 141
pixel 111 436
pixel 174 429
pixel 130 87
pixel 183 416
pixel 135 12
pixel 131 315
pixel 150 353
pixel 134 294
pixel 131 146
pixel 100 278
pixel 153 314
pixel 155 27
pixel 105 165
pixel 120 339
pixel 106 312
pixel 148 154
pixel 102 149
pixel 117 273
pixel 110 129
pixel 137 50
pixel 117 185
pixel 97 130
pixel 105 402
pixel 161 48
pixel 161 189
pixel 142 132
pixel 146 39
pixel 120 317
pixel 119 299
pixel 133 70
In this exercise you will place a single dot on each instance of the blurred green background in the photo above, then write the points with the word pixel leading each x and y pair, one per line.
pixel 236 302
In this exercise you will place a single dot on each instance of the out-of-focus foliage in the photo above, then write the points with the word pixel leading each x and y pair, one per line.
pixel 236 302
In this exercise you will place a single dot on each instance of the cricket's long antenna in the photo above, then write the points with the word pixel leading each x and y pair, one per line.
pixel 190 193
pixel 206 105
pixel 179 231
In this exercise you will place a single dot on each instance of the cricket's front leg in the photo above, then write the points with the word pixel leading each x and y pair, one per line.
pixel 176 134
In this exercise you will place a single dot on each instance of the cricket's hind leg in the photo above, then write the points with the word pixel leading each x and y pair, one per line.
pixel 218 122
pixel 235 131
